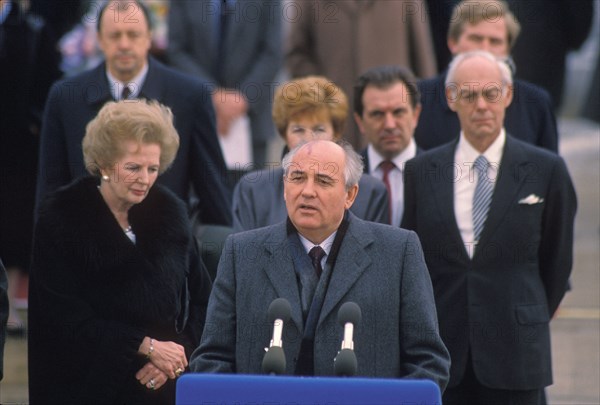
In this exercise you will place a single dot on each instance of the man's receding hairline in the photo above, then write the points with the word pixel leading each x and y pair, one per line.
pixel 120 10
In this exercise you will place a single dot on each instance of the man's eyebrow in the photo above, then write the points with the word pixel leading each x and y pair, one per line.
pixel 325 177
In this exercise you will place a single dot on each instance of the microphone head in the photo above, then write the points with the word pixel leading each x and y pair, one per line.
pixel 274 361
pixel 349 312
pixel 279 309
pixel 345 364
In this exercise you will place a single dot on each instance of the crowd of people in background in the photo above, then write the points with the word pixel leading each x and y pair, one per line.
pixel 142 128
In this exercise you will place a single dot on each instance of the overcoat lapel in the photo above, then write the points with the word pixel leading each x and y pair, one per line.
pixel 152 89
pixel 352 260
pixel 512 175
pixel 280 271
pixel 98 93
pixel 441 186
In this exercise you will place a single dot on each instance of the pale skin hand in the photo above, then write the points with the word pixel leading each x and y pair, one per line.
pixel 229 105
pixel 151 372
pixel 167 356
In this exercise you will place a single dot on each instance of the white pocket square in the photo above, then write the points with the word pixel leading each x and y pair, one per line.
pixel 531 199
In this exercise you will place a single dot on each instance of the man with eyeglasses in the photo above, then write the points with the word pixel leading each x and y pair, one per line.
pixel 495 216
pixel 487 25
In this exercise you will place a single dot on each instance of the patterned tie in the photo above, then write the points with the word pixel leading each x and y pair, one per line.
pixel 316 254
pixel 482 196
pixel 125 93
pixel 387 166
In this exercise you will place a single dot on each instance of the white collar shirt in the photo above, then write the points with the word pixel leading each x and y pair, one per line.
pixel 466 180
pixel 395 176
pixel 135 84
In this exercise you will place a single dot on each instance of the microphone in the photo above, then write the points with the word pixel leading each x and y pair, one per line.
pixel 349 316
pixel 274 360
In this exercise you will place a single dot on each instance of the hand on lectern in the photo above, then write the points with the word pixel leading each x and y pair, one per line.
pixel 349 317
pixel 274 360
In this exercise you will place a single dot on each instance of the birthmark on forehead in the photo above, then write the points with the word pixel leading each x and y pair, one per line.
pixel 309 148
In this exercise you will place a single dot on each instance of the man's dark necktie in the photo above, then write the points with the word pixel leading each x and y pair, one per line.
pixel 482 196
pixel 226 13
pixel 125 93
pixel 387 167
pixel 316 254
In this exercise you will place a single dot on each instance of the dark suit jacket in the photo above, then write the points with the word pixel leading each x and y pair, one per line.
pixel 499 303
pixel 252 57
pixel 530 116
pixel 379 267
pixel 75 101
pixel 258 200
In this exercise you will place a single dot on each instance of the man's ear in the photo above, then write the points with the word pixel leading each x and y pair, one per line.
pixel 451 96
pixel 351 196
pixel 509 95
pixel 452 46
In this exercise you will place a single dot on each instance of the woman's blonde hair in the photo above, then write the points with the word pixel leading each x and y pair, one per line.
pixel 141 121
pixel 311 95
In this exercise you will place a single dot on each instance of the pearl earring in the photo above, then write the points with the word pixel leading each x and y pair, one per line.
pixel 105 178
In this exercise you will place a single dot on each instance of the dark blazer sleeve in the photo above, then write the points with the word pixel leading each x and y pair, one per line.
pixel 217 350
pixel 178 50
pixel 61 321
pixel 534 104
pixel 53 166
pixel 371 203
pixel 556 247
pixel 423 354
pixel 409 214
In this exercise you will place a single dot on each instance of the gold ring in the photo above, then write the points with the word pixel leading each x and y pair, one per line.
pixel 178 371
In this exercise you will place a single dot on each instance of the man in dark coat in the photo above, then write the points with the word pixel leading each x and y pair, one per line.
pixel 377 266
pixel 124 36
pixel 386 110
pixel 28 66
pixel 498 241
pixel 487 25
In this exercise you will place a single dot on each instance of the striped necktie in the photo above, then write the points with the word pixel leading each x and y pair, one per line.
pixel 482 196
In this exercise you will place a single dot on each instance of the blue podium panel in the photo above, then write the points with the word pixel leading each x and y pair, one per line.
pixel 225 389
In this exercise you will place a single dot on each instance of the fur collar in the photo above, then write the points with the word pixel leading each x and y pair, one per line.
pixel 138 283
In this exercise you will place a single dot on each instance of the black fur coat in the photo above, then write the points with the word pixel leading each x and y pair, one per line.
pixel 94 295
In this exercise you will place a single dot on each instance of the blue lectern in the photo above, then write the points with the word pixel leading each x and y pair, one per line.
pixel 225 389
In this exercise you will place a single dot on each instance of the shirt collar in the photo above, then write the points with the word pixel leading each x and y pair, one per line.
pixel 467 153
pixel 375 158
pixel 135 84
pixel 325 245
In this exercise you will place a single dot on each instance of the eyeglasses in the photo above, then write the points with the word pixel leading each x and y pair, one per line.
pixel 490 95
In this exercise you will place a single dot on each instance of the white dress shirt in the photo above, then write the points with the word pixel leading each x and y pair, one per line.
pixel 135 84
pixel 466 180
pixel 395 176
pixel 325 245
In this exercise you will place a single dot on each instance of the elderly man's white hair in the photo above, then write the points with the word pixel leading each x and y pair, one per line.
pixel 505 72
pixel 354 164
